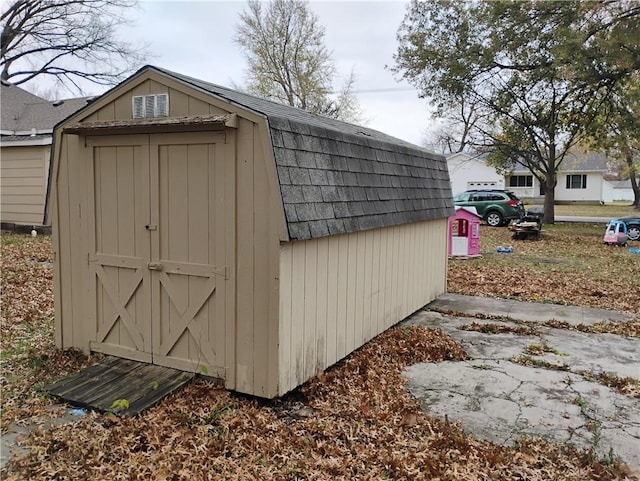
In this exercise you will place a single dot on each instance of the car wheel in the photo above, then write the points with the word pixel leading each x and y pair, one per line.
pixel 494 218
pixel 633 232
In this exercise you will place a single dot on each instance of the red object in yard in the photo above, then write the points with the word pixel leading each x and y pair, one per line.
pixel 464 232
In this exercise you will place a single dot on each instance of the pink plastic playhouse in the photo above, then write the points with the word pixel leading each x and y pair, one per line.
pixel 464 232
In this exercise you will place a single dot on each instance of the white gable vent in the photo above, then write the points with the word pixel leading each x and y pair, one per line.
pixel 147 106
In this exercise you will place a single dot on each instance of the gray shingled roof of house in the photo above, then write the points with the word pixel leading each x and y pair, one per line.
pixel 578 162
pixel 337 177
pixel 23 111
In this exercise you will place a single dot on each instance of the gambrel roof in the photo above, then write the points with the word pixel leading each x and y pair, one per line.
pixel 337 177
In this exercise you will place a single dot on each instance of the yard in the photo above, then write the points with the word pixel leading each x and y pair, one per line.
pixel 617 209
pixel 567 265
pixel 355 421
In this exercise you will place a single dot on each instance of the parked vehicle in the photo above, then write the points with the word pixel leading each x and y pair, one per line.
pixel 495 206
pixel 615 233
pixel 633 226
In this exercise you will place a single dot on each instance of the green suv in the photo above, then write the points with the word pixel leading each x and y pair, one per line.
pixel 495 206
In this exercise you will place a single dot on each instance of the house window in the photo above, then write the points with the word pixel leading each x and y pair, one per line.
pixel 521 181
pixel 577 181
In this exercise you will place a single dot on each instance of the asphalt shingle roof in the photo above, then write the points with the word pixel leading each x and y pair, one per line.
pixel 23 111
pixel 337 177
pixel 577 162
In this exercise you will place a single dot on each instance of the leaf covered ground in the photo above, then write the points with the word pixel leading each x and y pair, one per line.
pixel 569 264
pixel 355 421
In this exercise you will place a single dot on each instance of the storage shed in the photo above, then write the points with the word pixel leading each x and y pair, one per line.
pixel 208 230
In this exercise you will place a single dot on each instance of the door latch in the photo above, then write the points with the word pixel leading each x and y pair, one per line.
pixel 155 266
pixel 151 227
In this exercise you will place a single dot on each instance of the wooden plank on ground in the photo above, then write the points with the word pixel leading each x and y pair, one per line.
pixel 112 379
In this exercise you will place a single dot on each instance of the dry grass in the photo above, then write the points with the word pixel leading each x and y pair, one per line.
pixel 617 209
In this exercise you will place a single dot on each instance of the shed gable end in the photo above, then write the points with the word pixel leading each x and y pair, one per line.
pixel 149 106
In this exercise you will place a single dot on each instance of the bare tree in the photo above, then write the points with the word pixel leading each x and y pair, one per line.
pixel 69 40
pixel 288 60
pixel 459 128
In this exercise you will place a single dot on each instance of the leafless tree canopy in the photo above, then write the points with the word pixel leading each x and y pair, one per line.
pixel 288 60
pixel 67 40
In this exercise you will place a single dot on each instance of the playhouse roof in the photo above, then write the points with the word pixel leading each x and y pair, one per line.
pixel 467 210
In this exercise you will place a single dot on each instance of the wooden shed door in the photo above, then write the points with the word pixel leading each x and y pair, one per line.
pixel 192 190
pixel 181 305
pixel 119 247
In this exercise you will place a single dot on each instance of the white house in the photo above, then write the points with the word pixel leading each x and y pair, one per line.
pixel 580 179
pixel 472 172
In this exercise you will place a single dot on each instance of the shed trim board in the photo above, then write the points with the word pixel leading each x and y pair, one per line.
pixel 237 238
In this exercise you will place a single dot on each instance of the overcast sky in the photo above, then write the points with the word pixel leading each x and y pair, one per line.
pixel 196 38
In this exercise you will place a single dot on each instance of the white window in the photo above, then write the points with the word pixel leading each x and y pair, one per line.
pixel 149 106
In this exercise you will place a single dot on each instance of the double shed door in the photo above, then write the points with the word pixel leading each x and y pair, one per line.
pixel 161 249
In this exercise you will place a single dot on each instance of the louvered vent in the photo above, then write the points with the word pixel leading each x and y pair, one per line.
pixel 148 106
pixel 138 110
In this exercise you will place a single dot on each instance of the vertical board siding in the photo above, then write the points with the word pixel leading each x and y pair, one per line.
pixel 261 261
pixel 338 292
pixel 258 247
pixel 63 258
pixel 71 210
pixel 245 263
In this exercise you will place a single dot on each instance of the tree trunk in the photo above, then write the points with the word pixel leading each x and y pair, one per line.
pixel 635 184
pixel 636 193
pixel 549 199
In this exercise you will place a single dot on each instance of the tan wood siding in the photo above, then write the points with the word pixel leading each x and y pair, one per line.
pixel 258 229
pixel 195 284
pixel 248 343
pixel 117 211
pixel 289 309
pixel 336 293
pixel 70 247
pixel 180 103
pixel 23 184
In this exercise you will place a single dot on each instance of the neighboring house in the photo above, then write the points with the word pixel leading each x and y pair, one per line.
pixel 472 172
pixel 26 127
pixel 208 230
pixel 581 178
